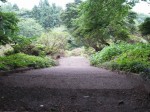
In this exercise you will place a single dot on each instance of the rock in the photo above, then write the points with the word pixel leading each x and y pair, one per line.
pixel 73 97
pixel 121 102
pixel 53 109
pixel 41 106
pixel 2 97
pixel 86 96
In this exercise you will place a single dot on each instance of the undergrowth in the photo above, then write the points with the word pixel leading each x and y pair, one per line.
pixel 126 57
pixel 21 60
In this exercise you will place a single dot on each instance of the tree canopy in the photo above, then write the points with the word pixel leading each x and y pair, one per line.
pixel 145 27
pixel 3 0
pixel 8 27
pixel 28 30
pixel 70 13
pixel 47 15
pixel 96 22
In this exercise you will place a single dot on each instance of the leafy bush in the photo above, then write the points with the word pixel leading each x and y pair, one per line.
pixel 28 27
pixel 8 27
pixel 9 52
pixel 110 52
pixel 21 44
pixel 21 60
pixel 82 51
pixel 25 45
pixel 145 27
pixel 6 50
pixel 134 60
pixel 127 57
pixel 53 42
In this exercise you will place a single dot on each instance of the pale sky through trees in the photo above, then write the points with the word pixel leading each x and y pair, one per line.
pixel 30 3
pixel 141 7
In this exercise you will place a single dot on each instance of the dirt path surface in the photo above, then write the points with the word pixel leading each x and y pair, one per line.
pixel 73 86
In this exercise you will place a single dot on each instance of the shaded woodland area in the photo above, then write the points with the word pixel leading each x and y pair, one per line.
pixel 92 56
pixel 108 32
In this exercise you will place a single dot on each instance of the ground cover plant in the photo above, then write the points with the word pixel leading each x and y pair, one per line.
pixel 127 57
pixel 21 60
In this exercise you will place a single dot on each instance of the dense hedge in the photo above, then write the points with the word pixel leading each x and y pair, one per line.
pixel 21 60
pixel 127 57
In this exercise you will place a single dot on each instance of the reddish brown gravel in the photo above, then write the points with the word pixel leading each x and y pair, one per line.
pixel 73 86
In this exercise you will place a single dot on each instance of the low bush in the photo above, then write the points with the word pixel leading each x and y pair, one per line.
pixel 110 52
pixel 6 50
pixel 81 51
pixel 134 60
pixel 127 57
pixel 27 46
pixel 21 60
pixel 53 42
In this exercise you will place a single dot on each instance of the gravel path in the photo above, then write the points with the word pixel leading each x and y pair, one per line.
pixel 73 86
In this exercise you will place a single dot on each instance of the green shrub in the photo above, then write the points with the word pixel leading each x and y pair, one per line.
pixel 9 52
pixel 110 52
pixel 27 46
pixel 21 60
pixel 81 51
pixel 134 60
pixel 22 44
pixel 53 42
pixel 127 57
pixel 6 50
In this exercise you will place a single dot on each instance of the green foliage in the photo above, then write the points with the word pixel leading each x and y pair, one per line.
pixel 21 60
pixel 34 49
pixel 27 46
pixel 108 53
pixel 28 27
pixel 21 44
pixel 94 24
pixel 145 27
pixel 9 52
pixel 141 17
pixel 3 0
pixel 24 13
pixel 53 42
pixel 8 27
pixel 135 60
pixel 127 57
pixel 8 7
pixel 6 50
pixel 130 23
pixel 82 51
pixel 15 7
pixel 132 2
pixel 21 13
pixel 47 15
pixel 70 13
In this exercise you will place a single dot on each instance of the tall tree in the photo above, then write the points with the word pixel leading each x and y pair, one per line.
pixel 7 7
pixel 3 0
pixel 8 27
pixel 35 12
pixel 145 27
pixel 77 1
pixel 47 15
pixel 70 13
pixel 15 7
pixel 101 20
pixel 28 30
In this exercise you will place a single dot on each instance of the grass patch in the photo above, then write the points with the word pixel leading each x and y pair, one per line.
pixel 21 60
